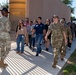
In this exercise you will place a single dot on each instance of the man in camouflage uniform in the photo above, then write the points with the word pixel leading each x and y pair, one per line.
pixel 58 35
pixel 63 47
pixel 5 42
pixel 68 32
pixel 69 35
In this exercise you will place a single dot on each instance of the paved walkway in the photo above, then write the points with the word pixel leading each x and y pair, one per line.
pixel 29 64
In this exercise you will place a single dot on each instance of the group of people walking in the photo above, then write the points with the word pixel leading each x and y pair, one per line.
pixel 33 33
pixel 57 32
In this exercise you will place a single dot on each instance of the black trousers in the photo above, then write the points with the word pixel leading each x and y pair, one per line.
pixel 75 33
pixel 30 37
pixel 69 44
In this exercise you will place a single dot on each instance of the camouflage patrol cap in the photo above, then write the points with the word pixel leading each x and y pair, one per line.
pixel 55 16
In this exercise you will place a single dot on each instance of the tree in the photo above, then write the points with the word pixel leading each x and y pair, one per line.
pixel 4 5
pixel 69 4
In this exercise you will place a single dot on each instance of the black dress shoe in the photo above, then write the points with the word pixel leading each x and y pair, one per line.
pixel 47 49
pixel 62 59
pixel 40 51
pixel 37 54
pixel 26 44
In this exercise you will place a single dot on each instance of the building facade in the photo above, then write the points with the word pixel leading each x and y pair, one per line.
pixel 19 9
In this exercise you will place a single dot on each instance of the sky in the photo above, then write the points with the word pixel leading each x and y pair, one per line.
pixel 73 5
pixel 3 1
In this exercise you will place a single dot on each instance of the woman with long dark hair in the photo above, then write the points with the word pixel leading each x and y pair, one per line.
pixel 20 36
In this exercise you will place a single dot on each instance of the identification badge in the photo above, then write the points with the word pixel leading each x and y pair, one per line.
pixel 22 29
pixel 36 25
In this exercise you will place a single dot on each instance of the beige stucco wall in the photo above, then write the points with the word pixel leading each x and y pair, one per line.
pixel 19 9
pixel 47 8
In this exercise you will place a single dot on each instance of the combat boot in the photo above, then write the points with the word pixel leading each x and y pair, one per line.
pixel 62 58
pixel 2 64
pixel 54 64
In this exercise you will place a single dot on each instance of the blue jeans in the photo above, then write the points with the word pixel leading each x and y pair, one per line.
pixel 38 40
pixel 33 41
pixel 20 39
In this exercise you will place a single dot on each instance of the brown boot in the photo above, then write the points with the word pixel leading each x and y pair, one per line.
pixel 62 58
pixel 53 65
pixel 2 64
pixel 18 52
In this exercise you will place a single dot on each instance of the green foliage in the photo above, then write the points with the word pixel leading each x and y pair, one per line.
pixel 73 57
pixel 66 72
pixel 4 5
pixel 70 68
pixel 67 2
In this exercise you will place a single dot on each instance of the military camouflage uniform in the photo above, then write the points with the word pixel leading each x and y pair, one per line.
pixel 68 33
pixel 5 42
pixel 63 47
pixel 57 39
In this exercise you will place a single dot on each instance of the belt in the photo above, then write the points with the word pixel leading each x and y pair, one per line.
pixel 21 34
pixel 39 33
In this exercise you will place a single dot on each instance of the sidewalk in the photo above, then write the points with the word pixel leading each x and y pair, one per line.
pixel 29 64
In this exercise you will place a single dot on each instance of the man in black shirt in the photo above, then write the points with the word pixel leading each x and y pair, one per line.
pixel 39 29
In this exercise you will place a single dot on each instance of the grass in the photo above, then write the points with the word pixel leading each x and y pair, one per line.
pixel 70 67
